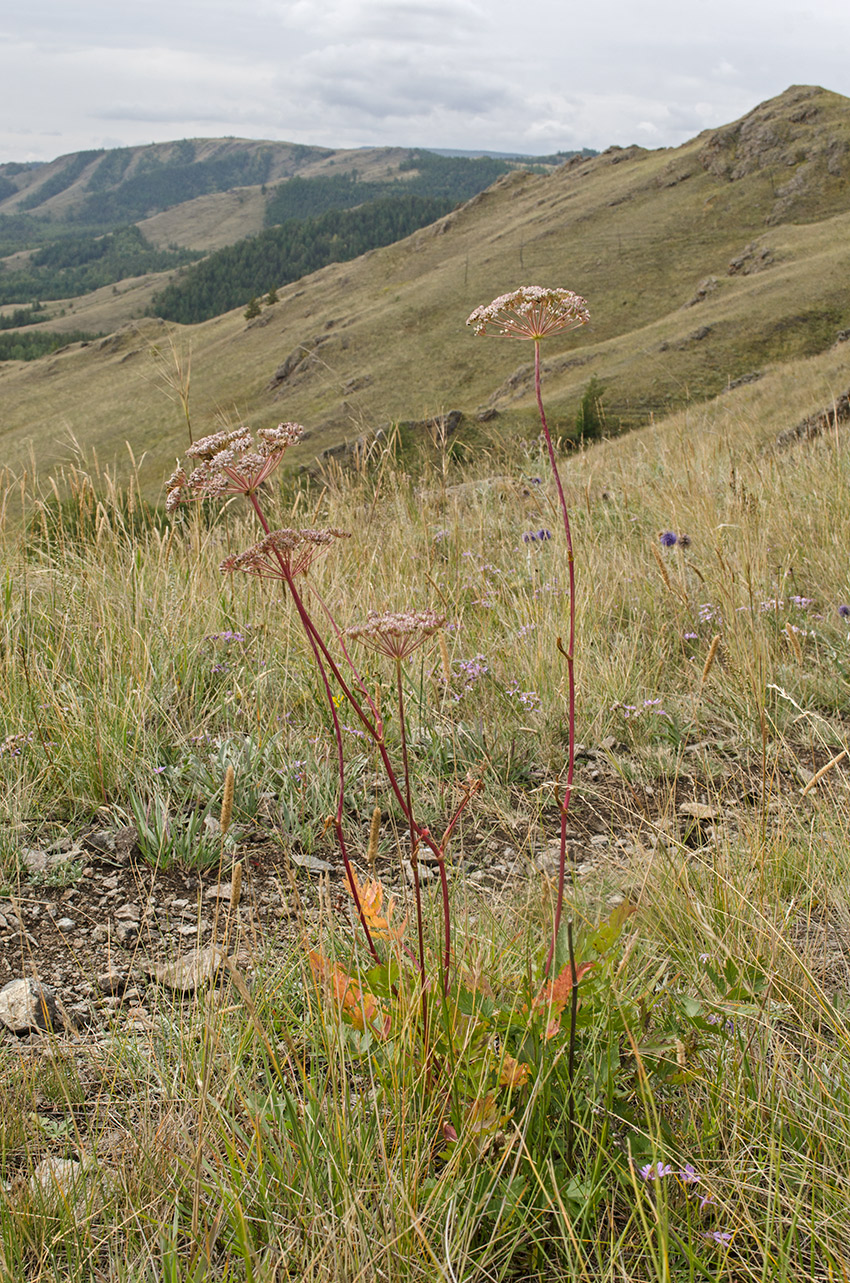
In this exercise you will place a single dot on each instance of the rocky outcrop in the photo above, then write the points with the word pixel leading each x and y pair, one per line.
pixel 753 258
pixel 816 424
pixel 793 132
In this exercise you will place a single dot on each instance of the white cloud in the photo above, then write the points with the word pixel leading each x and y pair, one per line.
pixel 540 75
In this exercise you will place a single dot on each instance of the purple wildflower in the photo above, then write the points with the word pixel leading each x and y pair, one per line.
pixel 688 1175
pixel 718 1236
pixel 654 1171
pixel 844 611
pixel 668 539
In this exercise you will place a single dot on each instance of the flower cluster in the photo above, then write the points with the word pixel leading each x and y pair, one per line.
pixel 396 635
pixel 282 554
pixel 536 536
pixel 15 744
pixel 634 710
pixel 528 699
pixel 230 463
pixel 469 671
pixel 669 539
pixel 531 312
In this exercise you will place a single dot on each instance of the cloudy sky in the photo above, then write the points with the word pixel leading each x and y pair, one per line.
pixel 529 75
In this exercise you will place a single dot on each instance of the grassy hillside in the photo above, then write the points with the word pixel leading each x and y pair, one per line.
pixel 702 265
pixel 688 1118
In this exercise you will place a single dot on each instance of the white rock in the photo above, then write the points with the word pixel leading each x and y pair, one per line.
pixel 698 811
pixel 26 1004
pixel 190 970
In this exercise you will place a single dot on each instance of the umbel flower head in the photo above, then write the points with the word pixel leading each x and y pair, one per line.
pixel 531 312
pixel 282 554
pixel 230 463
pixel 396 635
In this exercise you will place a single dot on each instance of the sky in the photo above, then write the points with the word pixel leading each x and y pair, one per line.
pixel 532 76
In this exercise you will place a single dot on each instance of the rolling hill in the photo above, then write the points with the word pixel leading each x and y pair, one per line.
pixel 704 266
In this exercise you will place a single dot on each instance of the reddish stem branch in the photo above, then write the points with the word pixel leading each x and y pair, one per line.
pixel 564 802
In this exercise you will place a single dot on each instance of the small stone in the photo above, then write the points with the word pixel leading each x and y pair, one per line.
pixel 190 970
pixel 128 913
pixel 34 859
pixel 698 811
pixel 600 840
pixel 65 924
pixel 310 862
pixel 110 883
pixel 126 932
pixel 103 840
pixel 112 981
pixel 221 891
pixel 26 1004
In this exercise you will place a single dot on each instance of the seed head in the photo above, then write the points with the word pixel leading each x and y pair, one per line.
pixel 396 635
pixel 283 554
pixel 531 312
pixel 230 463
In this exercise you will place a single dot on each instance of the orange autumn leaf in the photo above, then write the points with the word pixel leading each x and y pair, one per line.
pixel 558 990
pixel 360 1007
pixel 555 994
pixel 513 1073
pixel 371 897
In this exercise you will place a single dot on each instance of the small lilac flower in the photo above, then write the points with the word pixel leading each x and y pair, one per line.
pixel 688 1175
pixel 844 611
pixel 655 1170
pixel 718 1236
pixel 668 539
pixel 690 636
pixel 706 1201
pixel 544 534
pixel 158 770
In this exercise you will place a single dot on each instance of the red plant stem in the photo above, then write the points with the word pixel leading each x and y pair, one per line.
pixel 338 828
pixel 376 733
pixel 414 856
pixel 572 1052
pixel 564 802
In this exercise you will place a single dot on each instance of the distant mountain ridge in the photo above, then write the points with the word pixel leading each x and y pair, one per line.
pixel 704 265
pixel 130 184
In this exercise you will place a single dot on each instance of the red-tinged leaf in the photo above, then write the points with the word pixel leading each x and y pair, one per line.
pixel 556 993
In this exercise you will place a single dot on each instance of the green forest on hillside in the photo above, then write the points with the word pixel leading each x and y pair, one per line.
pixel 32 344
pixel 232 276
pixel 451 178
pixel 75 265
